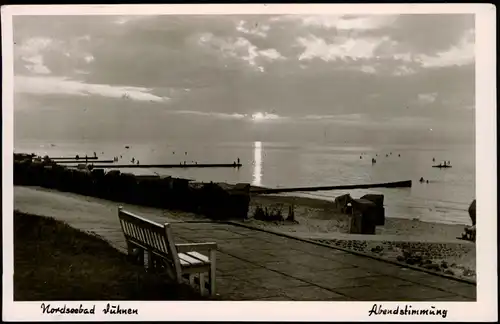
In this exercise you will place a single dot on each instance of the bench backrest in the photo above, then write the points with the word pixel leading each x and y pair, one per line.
pixel 151 235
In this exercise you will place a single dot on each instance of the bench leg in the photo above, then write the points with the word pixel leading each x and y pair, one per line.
pixel 136 254
pixel 132 252
pixel 130 249
pixel 141 257
pixel 202 284
pixel 150 261
pixel 212 272
pixel 169 270
pixel 191 280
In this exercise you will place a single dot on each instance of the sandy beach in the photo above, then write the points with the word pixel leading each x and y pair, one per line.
pixel 397 240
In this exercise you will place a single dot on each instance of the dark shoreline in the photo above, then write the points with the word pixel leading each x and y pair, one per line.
pixel 185 194
pixel 208 199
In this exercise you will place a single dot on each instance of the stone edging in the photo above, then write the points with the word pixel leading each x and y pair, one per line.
pixel 355 253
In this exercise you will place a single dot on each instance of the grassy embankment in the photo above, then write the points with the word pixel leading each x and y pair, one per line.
pixel 53 261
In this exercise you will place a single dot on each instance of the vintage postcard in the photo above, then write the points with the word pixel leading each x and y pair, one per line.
pixel 249 162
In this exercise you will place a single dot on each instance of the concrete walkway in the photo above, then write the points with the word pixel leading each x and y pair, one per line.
pixel 257 265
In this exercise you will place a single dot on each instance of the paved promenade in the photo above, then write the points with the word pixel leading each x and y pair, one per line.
pixel 257 265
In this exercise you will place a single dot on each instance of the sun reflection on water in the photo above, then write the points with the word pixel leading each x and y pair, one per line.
pixel 257 163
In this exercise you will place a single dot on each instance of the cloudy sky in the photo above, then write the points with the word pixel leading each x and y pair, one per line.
pixel 151 76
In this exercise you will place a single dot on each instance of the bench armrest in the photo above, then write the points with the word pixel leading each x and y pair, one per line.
pixel 193 247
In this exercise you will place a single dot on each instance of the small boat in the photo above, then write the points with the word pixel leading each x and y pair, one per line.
pixel 127 147
pixel 441 166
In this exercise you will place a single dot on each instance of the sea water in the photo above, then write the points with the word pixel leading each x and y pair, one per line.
pixel 445 199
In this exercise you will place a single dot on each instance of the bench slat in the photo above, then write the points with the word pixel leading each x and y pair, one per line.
pixel 125 227
pixel 160 241
pixel 147 236
pixel 163 244
pixel 190 260
pixel 184 263
pixel 135 232
pixel 130 230
pixel 199 256
pixel 151 238
pixel 154 240
pixel 142 234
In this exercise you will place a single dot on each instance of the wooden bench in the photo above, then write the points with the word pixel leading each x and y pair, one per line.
pixel 181 261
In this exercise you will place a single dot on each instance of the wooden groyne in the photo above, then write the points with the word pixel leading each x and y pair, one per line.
pixel 397 184
pixel 81 158
pixel 168 166
pixel 83 161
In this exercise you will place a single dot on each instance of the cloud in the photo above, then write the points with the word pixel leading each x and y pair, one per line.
pixel 259 116
pixel 78 71
pixel 427 33
pixel 240 48
pixel 341 22
pixel 122 20
pixel 405 57
pixel 368 69
pixel 257 29
pixel 255 117
pixel 427 98
pixel 271 54
pixel 240 64
pixel 244 49
pixel 316 47
pixel 44 55
pixel 337 119
pixel 30 54
pixel 403 70
pixel 88 58
pixel 35 65
pixel 63 86
pixel 209 114
pixel 460 54
pixel 407 121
